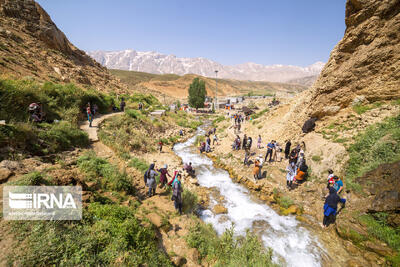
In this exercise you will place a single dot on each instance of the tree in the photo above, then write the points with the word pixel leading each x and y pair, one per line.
pixel 197 93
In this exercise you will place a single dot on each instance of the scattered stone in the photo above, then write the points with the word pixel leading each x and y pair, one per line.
pixel 5 174
pixel 219 209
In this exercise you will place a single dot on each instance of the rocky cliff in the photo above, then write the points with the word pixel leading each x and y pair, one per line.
pixel 32 45
pixel 365 65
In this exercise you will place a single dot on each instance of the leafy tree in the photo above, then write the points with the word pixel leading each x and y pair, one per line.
pixel 197 93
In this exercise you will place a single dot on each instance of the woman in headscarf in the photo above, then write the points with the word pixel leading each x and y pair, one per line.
pixel 151 180
pixel 330 207
pixel 163 175
pixel 177 193
pixel 291 173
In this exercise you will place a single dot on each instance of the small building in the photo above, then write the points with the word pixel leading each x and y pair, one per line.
pixel 158 113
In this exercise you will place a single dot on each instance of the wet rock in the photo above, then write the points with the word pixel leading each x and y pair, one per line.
pixel 371 257
pixel 379 248
pixel 219 209
pixel 4 175
pixel 353 263
pixel 293 209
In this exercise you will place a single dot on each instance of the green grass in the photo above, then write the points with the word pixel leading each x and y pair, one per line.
pixel 104 174
pixel 41 139
pixel 379 144
pixel 139 164
pixel 229 249
pixel 108 235
pixel 316 158
pixel 360 109
pixel 259 114
pixel 35 178
pixel 218 120
pixel 189 201
pixel 377 227
pixel 285 202
pixel 61 102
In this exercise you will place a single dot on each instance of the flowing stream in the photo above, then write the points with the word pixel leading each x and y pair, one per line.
pixel 293 245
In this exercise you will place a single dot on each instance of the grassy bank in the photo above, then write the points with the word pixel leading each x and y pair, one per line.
pixel 109 234
pixel 379 144
pixel 228 249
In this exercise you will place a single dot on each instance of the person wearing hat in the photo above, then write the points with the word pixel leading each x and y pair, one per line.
pixel 163 175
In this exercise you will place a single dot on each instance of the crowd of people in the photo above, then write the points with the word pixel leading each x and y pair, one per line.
pixel 175 183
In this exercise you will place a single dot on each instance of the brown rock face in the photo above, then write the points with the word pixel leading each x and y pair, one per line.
pixel 365 64
pixel 32 45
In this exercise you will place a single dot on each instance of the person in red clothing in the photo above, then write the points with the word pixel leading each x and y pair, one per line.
pixel 160 145
pixel 163 175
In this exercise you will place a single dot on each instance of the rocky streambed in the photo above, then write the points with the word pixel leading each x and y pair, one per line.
pixel 292 243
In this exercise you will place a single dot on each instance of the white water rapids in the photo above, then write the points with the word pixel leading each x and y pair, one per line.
pixel 293 245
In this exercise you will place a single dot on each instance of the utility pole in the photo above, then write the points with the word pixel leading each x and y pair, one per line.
pixel 216 90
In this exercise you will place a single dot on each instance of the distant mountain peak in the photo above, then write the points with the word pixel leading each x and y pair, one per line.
pixel 157 63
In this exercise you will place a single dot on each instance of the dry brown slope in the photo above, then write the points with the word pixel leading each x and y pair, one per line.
pixel 177 86
pixel 365 64
pixel 32 45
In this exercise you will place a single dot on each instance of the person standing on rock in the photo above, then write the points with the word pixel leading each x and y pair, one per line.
pixel 287 148
pixel 330 207
pixel 291 173
pixel 122 105
pixel 270 148
pixel 244 144
pixel 177 193
pixel 163 175
pixel 215 139
pixel 256 169
pixel 338 186
pixel 160 145
pixel 330 178
pixel 259 141
pixel 89 114
pixel 151 180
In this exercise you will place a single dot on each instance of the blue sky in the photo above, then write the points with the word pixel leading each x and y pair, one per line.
pixel 295 32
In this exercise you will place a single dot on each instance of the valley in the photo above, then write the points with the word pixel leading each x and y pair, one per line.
pixel 92 120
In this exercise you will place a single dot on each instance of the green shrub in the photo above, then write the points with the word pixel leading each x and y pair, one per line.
pixel 259 114
pixel 105 174
pixel 139 164
pixel 32 179
pixel 218 120
pixel 62 136
pixel 379 144
pixel 59 101
pixel 360 109
pixel 285 202
pixel 229 249
pixel 316 158
pixel 42 139
pixel 189 201
pixel 108 235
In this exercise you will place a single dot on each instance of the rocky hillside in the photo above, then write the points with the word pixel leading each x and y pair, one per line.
pixel 156 63
pixel 32 45
pixel 176 86
pixel 365 65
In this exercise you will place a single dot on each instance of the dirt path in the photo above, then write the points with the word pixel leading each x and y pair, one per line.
pixel 92 131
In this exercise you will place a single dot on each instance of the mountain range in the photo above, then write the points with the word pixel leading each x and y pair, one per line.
pixel 156 63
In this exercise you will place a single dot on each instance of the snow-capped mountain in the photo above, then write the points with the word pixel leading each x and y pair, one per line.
pixel 153 62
